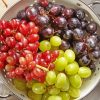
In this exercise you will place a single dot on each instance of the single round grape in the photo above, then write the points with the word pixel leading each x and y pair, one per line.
pixel 68 12
pixel 38 88
pixel 29 84
pixel 61 80
pixel 55 41
pixel 34 96
pixel 55 10
pixel 74 23
pixel 47 32
pixel 61 53
pixel 78 34
pixel 61 63
pixel 69 55
pixel 84 72
pixel 72 68
pixel 75 81
pixel 91 27
pixel 42 20
pixel 80 14
pixel 66 85
pixel 64 45
pixel 54 98
pixel 79 47
pixel 92 41
pixel 31 13
pixel 54 91
pixel 45 96
pixel 45 45
pixel 68 34
pixel 51 77
pixel 64 95
pixel 21 14
pixel 73 92
pixel 20 84
pixel 60 22
pixel 84 60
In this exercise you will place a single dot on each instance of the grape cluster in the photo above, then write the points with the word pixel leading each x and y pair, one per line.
pixel 48 49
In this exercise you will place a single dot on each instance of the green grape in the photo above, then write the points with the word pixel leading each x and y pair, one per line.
pixel 75 81
pixel 29 84
pixel 45 45
pixel 39 88
pixel 74 92
pixel 66 85
pixel 34 96
pixel 54 91
pixel 54 98
pixel 61 53
pixel 45 96
pixel 72 68
pixel 70 55
pixel 20 84
pixel 84 72
pixel 60 64
pixel 55 41
pixel 64 95
pixel 61 80
pixel 51 77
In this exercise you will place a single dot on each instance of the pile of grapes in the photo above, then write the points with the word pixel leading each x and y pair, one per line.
pixel 48 49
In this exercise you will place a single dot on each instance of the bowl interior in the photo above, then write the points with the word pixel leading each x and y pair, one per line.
pixel 90 83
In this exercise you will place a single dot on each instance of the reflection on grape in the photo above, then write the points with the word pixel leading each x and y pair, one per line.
pixel 73 92
pixel 84 72
pixel 75 81
pixel 64 95
pixel 39 88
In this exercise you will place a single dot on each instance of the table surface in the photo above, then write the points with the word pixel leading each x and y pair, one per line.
pixel 94 95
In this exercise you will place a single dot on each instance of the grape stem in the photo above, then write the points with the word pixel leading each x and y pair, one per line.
pixel 43 68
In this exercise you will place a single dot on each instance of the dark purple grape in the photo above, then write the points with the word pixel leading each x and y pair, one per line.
pixel 84 60
pixel 74 23
pixel 68 35
pixel 79 48
pixel 55 10
pixel 60 22
pixel 80 14
pixel 96 54
pixel 22 15
pixel 47 32
pixel 78 34
pixel 92 66
pixel 64 45
pixel 42 21
pixel 84 24
pixel 68 12
pixel 31 13
pixel 91 27
pixel 92 41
